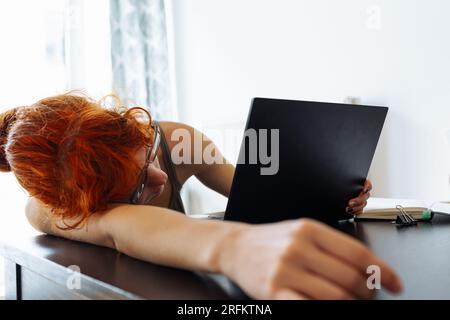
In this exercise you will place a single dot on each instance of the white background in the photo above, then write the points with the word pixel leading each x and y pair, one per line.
pixel 386 52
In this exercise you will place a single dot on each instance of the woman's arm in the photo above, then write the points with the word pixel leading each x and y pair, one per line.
pixel 206 162
pixel 217 177
pixel 148 233
pixel 292 259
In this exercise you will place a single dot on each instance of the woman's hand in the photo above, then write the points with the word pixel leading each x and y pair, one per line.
pixel 356 206
pixel 301 259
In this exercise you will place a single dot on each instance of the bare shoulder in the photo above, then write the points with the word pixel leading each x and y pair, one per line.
pixel 189 143
pixel 176 131
pixel 169 128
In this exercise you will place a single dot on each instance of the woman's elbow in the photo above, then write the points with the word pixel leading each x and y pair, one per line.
pixel 37 216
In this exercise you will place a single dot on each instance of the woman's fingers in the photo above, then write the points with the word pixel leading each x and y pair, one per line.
pixel 359 209
pixel 367 186
pixel 355 206
pixel 359 200
pixel 344 275
pixel 356 254
pixel 314 286
pixel 286 294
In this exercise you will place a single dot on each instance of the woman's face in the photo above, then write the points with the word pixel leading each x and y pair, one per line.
pixel 156 179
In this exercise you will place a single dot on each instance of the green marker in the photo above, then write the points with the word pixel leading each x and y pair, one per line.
pixel 427 215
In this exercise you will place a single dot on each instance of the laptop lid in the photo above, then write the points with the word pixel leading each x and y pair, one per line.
pixel 322 153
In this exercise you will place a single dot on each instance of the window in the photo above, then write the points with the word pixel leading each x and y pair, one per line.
pixel 48 47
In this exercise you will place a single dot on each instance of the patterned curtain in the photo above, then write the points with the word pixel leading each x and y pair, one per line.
pixel 140 55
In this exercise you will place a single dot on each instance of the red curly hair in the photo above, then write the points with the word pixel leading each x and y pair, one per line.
pixel 72 154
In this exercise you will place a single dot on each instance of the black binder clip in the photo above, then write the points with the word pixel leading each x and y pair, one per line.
pixel 404 219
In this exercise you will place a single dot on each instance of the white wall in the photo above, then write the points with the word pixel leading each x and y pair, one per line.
pixel 387 52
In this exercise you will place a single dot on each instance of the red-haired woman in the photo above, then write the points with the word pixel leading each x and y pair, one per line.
pixel 85 165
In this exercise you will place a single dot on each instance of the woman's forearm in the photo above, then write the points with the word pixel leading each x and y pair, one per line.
pixel 167 237
pixel 149 233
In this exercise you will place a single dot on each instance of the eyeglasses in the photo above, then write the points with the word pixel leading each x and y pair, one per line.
pixel 149 159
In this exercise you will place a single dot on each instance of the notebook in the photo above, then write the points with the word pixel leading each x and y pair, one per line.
pixel 386 209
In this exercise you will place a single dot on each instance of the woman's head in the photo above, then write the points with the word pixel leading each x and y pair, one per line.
pixel 72 154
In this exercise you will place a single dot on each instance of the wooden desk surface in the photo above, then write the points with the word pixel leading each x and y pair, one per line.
pixel 420 255
pixel 42 262
pixel 37 267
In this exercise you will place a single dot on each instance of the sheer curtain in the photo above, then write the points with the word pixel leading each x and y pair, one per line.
pixel 143 61
pixel 140 58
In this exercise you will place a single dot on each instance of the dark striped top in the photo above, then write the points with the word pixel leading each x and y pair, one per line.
pixel 175 203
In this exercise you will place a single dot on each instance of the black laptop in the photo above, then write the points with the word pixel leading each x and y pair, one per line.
pixel 322 153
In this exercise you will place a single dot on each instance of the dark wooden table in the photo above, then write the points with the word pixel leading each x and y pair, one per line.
pixel 37 267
